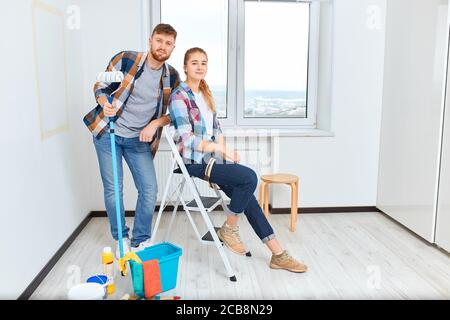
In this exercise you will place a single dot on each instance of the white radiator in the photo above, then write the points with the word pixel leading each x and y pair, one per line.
pixel 254 154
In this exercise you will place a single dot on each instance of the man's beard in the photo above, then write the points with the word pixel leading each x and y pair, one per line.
pixel 158 57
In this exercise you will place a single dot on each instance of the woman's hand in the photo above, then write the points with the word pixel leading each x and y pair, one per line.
pixel 148 132
pixel 234 156
pixel 231 155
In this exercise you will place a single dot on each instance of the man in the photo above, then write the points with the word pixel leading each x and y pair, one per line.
pixel 139 110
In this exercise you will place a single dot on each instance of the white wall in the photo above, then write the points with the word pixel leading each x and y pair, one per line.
pixel 101 40
pixel 333 171
pixel 52 184
pixel 43 190
pixel 342 170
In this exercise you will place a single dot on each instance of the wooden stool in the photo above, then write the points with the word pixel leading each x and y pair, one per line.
pixel 282 178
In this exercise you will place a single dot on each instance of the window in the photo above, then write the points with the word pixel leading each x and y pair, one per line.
pixel 263 57
pixel 273 86
pixel 276 59
pixel 204 24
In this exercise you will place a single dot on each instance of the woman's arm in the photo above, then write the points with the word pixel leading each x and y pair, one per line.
pixel 179 115
pixel 231 155
pixel 221 139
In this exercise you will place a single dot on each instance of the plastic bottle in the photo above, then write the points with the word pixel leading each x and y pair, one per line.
pixel 108 263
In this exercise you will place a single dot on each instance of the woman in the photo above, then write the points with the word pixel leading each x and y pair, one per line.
pixel 201 144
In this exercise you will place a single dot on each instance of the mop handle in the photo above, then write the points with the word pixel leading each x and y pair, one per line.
pixel 114 76
pixel 116 182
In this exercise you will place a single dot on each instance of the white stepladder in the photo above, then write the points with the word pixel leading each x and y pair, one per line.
pixel 204 205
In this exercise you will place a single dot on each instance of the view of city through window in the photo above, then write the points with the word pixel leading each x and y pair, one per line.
pixel 276 59
pixel 276 52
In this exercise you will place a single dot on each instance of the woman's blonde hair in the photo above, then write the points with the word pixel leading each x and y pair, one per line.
pixel 204 88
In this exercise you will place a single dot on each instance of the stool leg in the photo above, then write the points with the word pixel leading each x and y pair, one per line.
pixel 266 200
pixel 296 202
pixel 294 199
pixel 261 195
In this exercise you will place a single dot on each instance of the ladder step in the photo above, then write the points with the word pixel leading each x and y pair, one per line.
pixel 208 202
pixel 208 236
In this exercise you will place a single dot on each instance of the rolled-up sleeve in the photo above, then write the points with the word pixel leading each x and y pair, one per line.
pixel 179 115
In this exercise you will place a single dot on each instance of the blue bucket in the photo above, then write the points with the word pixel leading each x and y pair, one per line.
pixel 167 255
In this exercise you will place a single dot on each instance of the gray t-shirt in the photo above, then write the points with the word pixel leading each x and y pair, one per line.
pixel 141 105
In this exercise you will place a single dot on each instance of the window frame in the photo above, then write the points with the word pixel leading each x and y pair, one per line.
pixel 311 95
pixel 235 94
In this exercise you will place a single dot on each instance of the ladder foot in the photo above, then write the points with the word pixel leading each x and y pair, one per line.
pixel 233 279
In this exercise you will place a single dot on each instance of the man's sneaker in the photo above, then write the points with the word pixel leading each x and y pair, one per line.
pixel 126 247
pixel 141 246
pixel 231 239
pixel 287 262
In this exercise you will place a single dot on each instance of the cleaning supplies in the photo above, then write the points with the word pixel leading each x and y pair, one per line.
pixel 129 256
pixel 108 263
pixel 87 291
pixel 167 297
pixel 100 279
pixel 152 278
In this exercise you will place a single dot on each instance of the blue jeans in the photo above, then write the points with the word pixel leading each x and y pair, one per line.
pixel 140 161
pixel 238 183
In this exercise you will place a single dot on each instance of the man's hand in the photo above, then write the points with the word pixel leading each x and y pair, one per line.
pixel 109 110
pixel 149 131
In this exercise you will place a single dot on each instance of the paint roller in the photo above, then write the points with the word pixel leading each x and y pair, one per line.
pixel 110 76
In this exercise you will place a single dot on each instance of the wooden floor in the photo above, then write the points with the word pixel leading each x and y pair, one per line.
pixel 349 255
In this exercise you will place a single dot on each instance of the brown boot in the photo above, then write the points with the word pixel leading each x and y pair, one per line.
pixel 231 239
pixel 286 262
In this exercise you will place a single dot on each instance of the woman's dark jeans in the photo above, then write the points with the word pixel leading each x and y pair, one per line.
pixel 238 182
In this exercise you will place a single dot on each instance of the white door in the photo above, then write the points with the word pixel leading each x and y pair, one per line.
pixel 443 210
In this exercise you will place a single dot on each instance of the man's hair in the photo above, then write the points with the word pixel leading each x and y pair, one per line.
pixel 165 28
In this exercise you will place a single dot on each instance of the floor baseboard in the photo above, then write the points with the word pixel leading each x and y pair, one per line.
pixel 26 294
pixel 326 210
pixel 130 213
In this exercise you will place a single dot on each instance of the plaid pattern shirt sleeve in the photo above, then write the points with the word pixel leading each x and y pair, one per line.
pixel 190 127
pixel 130 63
pixel 217 130
pixel 179 114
